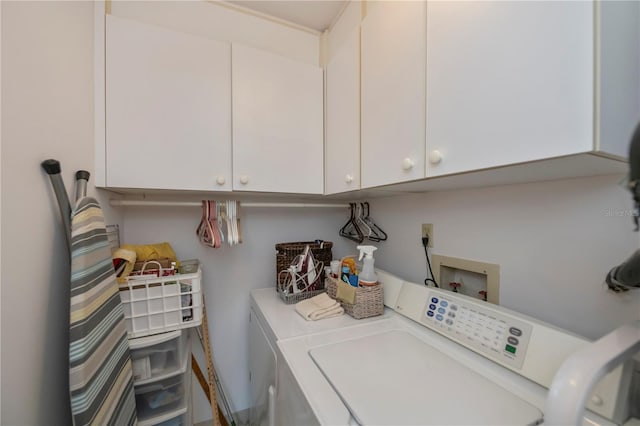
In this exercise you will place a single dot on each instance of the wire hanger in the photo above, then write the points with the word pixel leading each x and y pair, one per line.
pixel 378 234
pixel 351 230
pixel 362 225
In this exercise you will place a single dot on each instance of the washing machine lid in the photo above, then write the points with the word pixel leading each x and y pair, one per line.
pixel 394 378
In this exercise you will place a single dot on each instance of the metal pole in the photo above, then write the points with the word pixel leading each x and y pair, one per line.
pixel 82 177
pixel 141 203
pixel 52 167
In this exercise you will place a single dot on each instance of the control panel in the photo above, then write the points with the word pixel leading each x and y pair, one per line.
pixel 495 335
pixel 529 347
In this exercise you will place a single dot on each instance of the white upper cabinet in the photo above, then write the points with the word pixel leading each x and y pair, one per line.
pixel 393 92
pixel 513 82
pixel 168 109
pixel 342 141
pixel 277 123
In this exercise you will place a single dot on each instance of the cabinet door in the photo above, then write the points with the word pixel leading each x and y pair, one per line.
pixel 277 123
pixel 342 142
pixel 168 109
pixel 393 92
pixel 262 374
pixel 508 82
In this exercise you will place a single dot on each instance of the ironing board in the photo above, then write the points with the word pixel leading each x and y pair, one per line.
pixel 100 371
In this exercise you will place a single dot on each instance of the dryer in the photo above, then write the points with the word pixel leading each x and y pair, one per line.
pixel 271 320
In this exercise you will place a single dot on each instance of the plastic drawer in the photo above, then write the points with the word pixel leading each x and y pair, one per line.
pixel 179 417
pixel 181 420
pixel 164 399
pixel 158 356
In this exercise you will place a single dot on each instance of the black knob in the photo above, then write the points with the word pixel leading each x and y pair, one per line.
pixel 52 167
pixel 82 174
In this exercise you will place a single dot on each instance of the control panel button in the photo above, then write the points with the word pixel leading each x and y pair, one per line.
pixel 452 314
pixel 432 307
pixel 510 349
pixel 439 317
pixel 454 307
pixel 441 310
pixel 429 313
pixel 515 331
pixel 512 340
pixel 434 300
pixel 444 303
pixel 449 321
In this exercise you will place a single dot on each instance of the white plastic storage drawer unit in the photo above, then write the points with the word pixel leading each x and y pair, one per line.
pixel 158 356
pixel 165 399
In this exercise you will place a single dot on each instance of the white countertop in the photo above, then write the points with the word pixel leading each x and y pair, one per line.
pixel 286 322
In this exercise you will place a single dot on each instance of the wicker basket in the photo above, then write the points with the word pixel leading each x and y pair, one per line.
pixel 286 253
pixel 289 298
pixel 369 301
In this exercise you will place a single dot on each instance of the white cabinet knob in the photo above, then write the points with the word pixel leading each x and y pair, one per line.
pixel 244 180
pixel 407 164
pixel 348 178
pixel 435 157
pixel 597 400
pixel 220 180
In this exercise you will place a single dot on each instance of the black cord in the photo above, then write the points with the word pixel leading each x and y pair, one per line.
pixel 425 243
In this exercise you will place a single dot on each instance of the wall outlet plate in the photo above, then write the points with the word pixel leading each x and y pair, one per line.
pixel 427 231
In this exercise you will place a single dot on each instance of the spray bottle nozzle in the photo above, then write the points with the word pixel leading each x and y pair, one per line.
pixel 366 251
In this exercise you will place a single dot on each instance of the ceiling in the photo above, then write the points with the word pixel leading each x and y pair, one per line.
pixel 315 14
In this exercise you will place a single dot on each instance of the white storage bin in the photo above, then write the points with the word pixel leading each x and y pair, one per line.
pixel 162 400
pixel 155 305
pixel 158 356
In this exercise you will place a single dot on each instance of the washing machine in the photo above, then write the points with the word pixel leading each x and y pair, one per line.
pixel 435 357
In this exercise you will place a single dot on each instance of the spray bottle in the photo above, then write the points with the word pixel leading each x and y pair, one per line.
pixel 368 275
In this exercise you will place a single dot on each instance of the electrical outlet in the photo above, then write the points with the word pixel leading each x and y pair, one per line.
pixel 427 231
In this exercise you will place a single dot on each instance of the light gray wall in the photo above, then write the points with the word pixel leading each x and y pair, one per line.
pixel 47 112
pixel 554 242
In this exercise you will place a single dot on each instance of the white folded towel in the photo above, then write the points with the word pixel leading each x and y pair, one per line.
pixel 319 307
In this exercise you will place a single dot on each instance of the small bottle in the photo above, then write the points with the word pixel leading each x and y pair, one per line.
pixel 353 280
pixel 368 276
pixel 345 274
pixel 327 271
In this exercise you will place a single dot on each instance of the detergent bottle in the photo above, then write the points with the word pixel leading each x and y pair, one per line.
pixel 368 275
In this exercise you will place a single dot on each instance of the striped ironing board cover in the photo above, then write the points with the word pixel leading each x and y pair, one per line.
pixel 100 372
